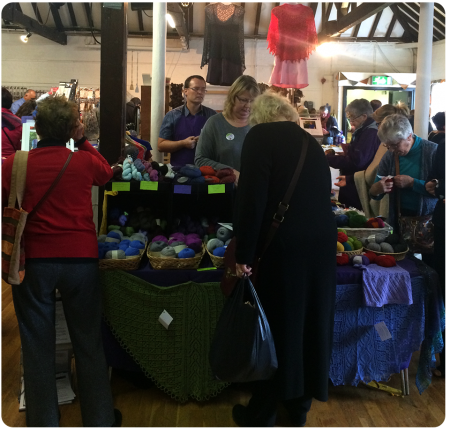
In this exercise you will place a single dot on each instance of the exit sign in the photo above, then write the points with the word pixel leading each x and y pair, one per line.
pixel 381 80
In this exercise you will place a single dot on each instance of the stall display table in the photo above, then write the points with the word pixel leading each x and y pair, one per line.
pixel 177 359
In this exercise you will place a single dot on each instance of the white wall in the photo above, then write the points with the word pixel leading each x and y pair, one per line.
pixel 41 64
pixel 438 62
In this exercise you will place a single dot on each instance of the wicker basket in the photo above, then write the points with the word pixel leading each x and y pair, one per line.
pixel 351 253
pixel 217 261
pixel 163 263
pixel 398 256
pixel 359 233
pixel 121 264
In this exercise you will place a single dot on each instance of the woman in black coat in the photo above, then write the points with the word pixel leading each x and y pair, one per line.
pixel 296 280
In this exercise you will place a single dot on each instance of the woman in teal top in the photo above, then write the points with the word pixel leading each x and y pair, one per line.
pixel 415 159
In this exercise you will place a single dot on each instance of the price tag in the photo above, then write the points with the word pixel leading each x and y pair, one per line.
pixel 207 268
pixel 214 189
pixel 121 186
pixel 382 331
pixel 182 189
pixel 149 185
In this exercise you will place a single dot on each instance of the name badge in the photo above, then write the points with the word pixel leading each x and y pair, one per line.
pixel 229 136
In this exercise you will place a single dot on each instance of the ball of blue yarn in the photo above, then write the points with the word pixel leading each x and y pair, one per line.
pixel 186 253
pixel 341 220
pixel 220 251
pixel 137 244
pixel 191 172
pixel 131 251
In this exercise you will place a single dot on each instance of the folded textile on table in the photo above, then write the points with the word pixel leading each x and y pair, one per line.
pixel 386 285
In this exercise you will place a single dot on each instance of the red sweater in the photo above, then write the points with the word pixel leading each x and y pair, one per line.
pixel 11 138
pixel 64 226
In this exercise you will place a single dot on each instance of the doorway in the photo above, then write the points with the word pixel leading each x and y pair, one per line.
pixel 387 95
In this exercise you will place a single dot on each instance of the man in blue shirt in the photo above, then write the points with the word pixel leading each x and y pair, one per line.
pixel 181 126
pixel 29 95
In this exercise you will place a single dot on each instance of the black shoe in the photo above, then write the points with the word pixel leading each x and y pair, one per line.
pixel 296 417
pixel 240 415
pixel 117 418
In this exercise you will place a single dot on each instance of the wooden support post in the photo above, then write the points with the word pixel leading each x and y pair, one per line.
pixel 113 74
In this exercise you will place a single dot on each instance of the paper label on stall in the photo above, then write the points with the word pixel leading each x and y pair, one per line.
pixel 182 189
pixel 218 188
pixel 165 319
pixel 121 186
pixel 149 185
pixel 382 331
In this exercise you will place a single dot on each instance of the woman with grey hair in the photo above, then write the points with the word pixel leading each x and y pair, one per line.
pixel 298 298
pixel 415 158
pixel 361 151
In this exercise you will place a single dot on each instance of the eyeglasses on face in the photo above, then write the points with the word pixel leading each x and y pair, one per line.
pixel 352 119
pixel 245 101
pixel 199 89
pixel 391 146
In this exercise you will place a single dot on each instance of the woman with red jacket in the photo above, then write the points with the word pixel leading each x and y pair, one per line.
pixel 11 126
pixel 61 253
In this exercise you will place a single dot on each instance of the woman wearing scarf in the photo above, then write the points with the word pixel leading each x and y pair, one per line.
pixel 11 127
pixel 329 123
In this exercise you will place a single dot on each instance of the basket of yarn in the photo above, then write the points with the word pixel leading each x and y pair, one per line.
pixel 348 245
pixel 174 256
pixel 216 260
pixel 397 255
pixel 116 252
pixel 357 225
pixel 216 246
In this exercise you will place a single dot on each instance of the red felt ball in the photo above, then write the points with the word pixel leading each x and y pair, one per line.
pixel 207 170
pixel 385 261
pixel 211 179
pixel 342 259
pixel 224 172
pixel 380 222
pixel 228 179
pixel 370 255
pixel 372 223
pixel 342 237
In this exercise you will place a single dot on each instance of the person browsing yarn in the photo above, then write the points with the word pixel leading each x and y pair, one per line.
pixel 220 142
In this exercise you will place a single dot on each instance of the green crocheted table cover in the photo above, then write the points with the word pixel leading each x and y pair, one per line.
pixel 175 359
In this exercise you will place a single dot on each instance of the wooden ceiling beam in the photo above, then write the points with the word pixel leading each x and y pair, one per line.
pixel 356 30
pixel 339 10
pixel 141 21
pixel 11 14
pixel 414 10
pixel 375 24
pixel 36 12
pixel 391 27
pixel 87 8
pixel 361 13
pixel 18 7
pixel 72 15
pixel 400 17
pixel 257 18
pixel 56 17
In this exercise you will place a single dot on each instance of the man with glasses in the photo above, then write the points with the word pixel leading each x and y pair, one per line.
pixel 181 126
pixel 29 95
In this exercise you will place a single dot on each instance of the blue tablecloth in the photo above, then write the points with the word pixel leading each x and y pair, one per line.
pixel 358 352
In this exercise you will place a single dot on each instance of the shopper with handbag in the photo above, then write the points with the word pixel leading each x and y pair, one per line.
pixel 409 161
pixel 61 254
pixel 294 246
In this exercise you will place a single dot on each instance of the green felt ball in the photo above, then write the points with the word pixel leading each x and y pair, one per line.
pixel 113 227
pixel 357 245
pixel 347 246
pixel 129 231
pixel 342 230
pixel 351 213
pixel 352 238
pixel 357 221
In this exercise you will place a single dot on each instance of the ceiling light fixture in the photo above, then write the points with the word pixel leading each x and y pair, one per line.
pixel 170 20
pixel 24 38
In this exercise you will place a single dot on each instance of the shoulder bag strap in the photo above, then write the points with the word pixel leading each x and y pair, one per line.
pixel 278 217
pixel 18 179
pixel 397 190
pixel 56 181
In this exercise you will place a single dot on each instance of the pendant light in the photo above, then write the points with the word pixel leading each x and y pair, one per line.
pixel 136 90
pixel 131 85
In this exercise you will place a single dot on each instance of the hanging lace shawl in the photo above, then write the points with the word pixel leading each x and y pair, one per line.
pixel 292 32
pixel 223 48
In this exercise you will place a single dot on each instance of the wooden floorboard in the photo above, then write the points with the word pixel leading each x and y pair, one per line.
pixel 347 406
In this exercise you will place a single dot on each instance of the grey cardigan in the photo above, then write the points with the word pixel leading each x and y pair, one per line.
pixel 387 167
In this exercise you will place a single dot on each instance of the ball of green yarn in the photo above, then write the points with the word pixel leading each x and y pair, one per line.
pixel 113 227
pixel 347 246
pixel 352 238
pixel 357 245
pixel 357 221
pixel 342 230
pixel 129 231
pixel 351 213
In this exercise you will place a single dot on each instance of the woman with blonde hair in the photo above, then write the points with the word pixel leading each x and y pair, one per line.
pixel 296 280
pixel 381 113
pixel 221 139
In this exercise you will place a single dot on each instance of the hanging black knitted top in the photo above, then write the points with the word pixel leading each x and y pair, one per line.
pixel 224 34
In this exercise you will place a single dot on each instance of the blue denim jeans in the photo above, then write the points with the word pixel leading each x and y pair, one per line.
pixel 34 302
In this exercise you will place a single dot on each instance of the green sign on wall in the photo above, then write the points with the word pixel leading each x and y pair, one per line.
pixel 381 80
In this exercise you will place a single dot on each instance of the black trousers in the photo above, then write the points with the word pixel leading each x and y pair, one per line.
pixel 34 302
